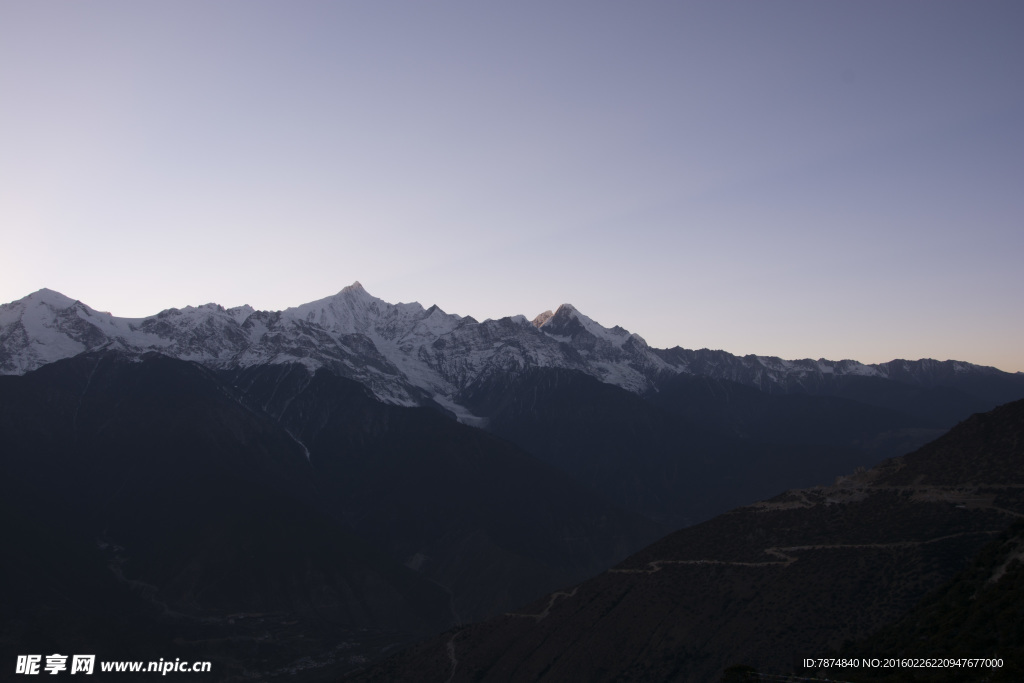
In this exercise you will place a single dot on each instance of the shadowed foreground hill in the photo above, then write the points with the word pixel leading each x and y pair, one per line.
pixel 765 585
pixel 977 615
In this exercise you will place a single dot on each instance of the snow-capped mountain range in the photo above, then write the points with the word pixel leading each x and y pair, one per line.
pixel 406 354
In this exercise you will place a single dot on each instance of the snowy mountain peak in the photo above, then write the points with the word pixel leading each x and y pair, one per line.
pixel 241 313
pixel 403 353
pixel 354 288
pixel 48 297
pixel 353 309
pixel 568 322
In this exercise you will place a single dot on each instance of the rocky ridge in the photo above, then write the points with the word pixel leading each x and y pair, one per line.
pixel 409 355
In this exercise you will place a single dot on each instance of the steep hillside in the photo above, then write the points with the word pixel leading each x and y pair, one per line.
pixel 682 466
pixel 766 585
pixel 148 502
pixel 979 615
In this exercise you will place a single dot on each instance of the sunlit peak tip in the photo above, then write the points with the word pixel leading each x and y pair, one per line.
pixel 355 287
pixel 542 318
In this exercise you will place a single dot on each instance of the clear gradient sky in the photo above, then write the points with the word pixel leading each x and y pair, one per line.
pixel 801 179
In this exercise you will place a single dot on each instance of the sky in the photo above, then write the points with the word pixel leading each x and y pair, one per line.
pixel 798 179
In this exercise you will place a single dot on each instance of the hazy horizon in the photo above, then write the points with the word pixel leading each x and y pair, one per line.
pixel 793 179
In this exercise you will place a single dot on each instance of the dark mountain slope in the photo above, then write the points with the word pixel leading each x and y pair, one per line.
pixel 150 501
pixel 977 615
pixel 796 418
pixel 765 585
pixel 468 510
pixel 696 448
pixel 216 530
pixel 941 404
